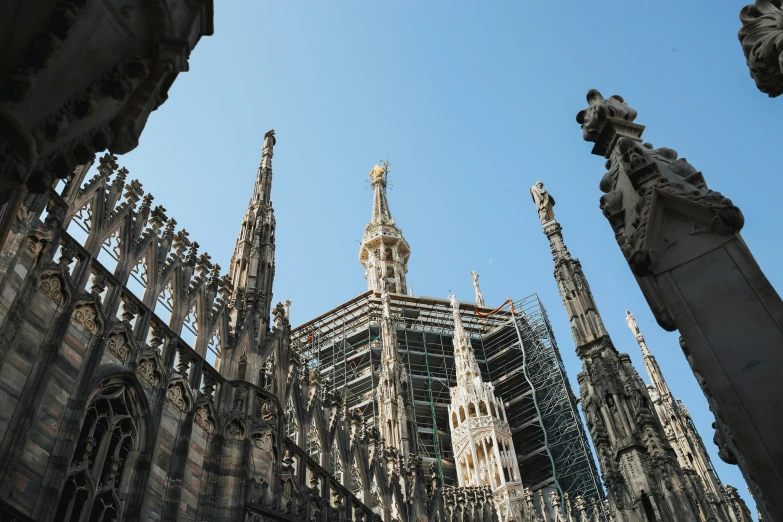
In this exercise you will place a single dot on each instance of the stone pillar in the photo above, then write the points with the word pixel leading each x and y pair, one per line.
pixel 682 242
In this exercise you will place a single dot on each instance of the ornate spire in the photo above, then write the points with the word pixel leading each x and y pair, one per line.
pixel 468 372
pixel 252 266
pixel 383 252
pixel 681 433
pixel 394 391
pixel 650 364
pixel 388 331
pixel 479 297
pixel 615 401
pixel 586 322
pixel 380 205
pixel 484 453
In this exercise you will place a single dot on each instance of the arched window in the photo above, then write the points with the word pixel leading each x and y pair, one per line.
pixel 335 463
pixel 461 414
pixel 103 461
pixel 242 370
pixel 454 419
pixel 648 508
pixel 483 408
pixel 291 426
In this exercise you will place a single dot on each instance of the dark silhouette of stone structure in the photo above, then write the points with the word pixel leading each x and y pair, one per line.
pixel 682 242
pixel 79 77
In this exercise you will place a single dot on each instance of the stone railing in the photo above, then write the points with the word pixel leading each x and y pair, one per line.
pixel 308 492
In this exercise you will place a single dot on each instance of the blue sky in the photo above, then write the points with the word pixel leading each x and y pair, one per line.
pixel 472 103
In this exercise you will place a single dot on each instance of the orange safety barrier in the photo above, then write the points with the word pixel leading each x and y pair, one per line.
pixel 497 309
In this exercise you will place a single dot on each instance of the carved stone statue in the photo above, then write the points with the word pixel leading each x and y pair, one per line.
pixel 269 140
pixel 599 110
pixel 479 296
pixel 544 202
pixel 279 313
pixel 760 39
pixel 631 320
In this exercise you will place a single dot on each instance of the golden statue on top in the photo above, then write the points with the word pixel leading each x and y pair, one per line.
pixel 379 171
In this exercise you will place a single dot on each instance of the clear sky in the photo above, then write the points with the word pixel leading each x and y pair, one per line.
pixel 472 102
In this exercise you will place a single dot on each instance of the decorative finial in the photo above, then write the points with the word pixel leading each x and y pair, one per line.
pixel 479 296
pixel 600 110
pixel 269 141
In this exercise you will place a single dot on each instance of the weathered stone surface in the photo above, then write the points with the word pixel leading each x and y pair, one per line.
pixel 643 478
pixel 680 238
pixel 761 38
pixel 106 410
pixel 383 252
pixel 81 77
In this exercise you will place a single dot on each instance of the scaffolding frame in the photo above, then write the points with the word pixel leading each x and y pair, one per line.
pixel 516 352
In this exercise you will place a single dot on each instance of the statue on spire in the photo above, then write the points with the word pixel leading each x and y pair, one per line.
pixel 544 202
pixel 383 251
pixel 631 320
pixel 269 140
pixel 479 297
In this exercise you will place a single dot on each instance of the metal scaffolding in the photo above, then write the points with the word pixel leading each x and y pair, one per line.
pixel 516 352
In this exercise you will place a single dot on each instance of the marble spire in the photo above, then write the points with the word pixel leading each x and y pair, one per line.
pixel 681 433
pixel 394 391
pixel 252 266
pixel 640 469
pixel 383 251
pixel 484 452
pixel 479 296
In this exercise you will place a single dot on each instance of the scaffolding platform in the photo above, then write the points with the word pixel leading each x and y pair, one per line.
pixel 516 351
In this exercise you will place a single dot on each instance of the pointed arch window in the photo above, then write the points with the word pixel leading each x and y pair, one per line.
pixel 291 426
pixel 335 463
pixel 313 441
pixel 103 463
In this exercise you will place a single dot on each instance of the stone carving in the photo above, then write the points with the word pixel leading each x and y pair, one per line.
pixel 239 397
pixel 761 37
pixel 86 315
pixel 479 296
pixel 179 395
pixel 279 313
pixel 235 429
pixel 149 370
pixel 668 222
pixel 599 111
pixel 125 74
pixel 204 418
pixel 544 202
pixel 118 344
pixel 631 320
pixel 629 441
pixel 52 286
pixel 36 240
pixel 264 456
pixel 658 178
pixel 268 411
